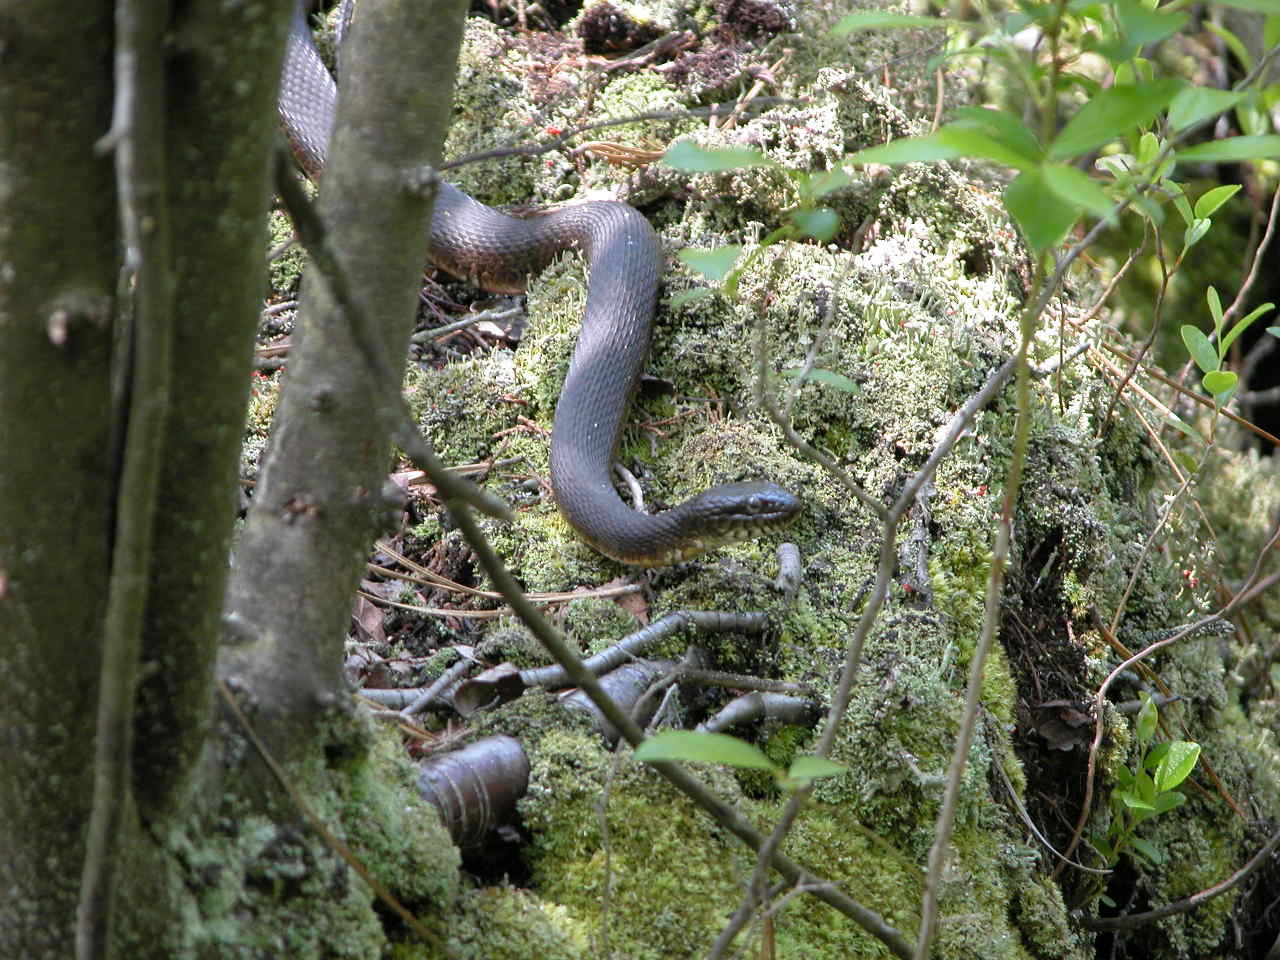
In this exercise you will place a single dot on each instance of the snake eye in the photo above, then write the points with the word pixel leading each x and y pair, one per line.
pixel 755 503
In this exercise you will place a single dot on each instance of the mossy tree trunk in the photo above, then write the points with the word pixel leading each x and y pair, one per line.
pixel 64 398
pixel 58 269
pixel 324 493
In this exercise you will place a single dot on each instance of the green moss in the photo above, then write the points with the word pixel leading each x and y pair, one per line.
pixel 923 312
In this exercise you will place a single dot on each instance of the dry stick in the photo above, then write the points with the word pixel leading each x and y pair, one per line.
pixel 756 889
pixel 1151 539
pixel 1238 303
pixel 1133 920
pixel 824 334
pixel 442 683
pixel 137 135
pixel 1195 397
pixel 1248 590
pixel 725 815
pixel 397 419
pixel 334 842
pixel 1030 824
pixel 742 681
pixel 783 421
pixel 711 621
pixel 434 333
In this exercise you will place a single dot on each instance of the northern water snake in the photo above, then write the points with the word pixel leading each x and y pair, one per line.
pixel 499 253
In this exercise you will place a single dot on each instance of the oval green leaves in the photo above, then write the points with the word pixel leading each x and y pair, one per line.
pixel 694 747
pixel 1177 764
pixel 687 156
pixel 1233 149
pixel 1111 114
pixel 880 20
pixel 712 264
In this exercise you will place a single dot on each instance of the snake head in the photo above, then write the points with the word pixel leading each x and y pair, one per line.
pixel 734 512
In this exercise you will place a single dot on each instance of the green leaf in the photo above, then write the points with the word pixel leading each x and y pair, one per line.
pixel 1184 208
pixel 1000 125
pixel 1148 148
pixel 1119 165
pixel 821 224
pixel 1142 25
pixel 1215 307
pixel 1154 756
pixel 1220 384
pixel 712 264
pixel 907 150
pixel 820 184
pixel 1111 114
pixel 1193 104
pixel 1274 331
pixel 1124 776
pixel 1042 215
pixel 1147 717
pixel 1211 200
pixel 828 378
pixel 687 156
pixel 1234 43
pixel 1200 348
pixel 1146 788
pixel 1135 802
pixel 1170 800
pixel 971 142
pixel 1146 849
pixel 1195 233
pixel 1233 150
pixel 695 747
pixel 1241 326
pixel 879 20
pixel 1078 189
pixel 812 768
pixel 692 296
pixel 1177 764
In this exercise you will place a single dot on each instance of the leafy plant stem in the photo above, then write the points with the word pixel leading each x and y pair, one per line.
pixel 990 623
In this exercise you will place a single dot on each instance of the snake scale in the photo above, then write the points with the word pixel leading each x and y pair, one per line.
pixel 499 253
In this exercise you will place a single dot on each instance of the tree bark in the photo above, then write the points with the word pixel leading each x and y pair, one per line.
pixel 58 272
pixel 223 76
pixel 322 496
pixel 63 350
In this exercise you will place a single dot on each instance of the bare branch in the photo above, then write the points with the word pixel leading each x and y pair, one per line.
pixel 138 136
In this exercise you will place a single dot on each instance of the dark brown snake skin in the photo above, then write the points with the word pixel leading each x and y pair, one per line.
pixel 499 253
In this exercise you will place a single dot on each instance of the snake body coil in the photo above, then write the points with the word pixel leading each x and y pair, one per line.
pixel 499 253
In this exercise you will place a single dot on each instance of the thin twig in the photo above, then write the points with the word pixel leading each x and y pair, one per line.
pixel 711 621
pixel 1253 585
pixel 1254 264
pixel 435 333
pixel 1134 920
pixel 137 135
pixel 442 683
pixel 562 139
pixel 990 623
